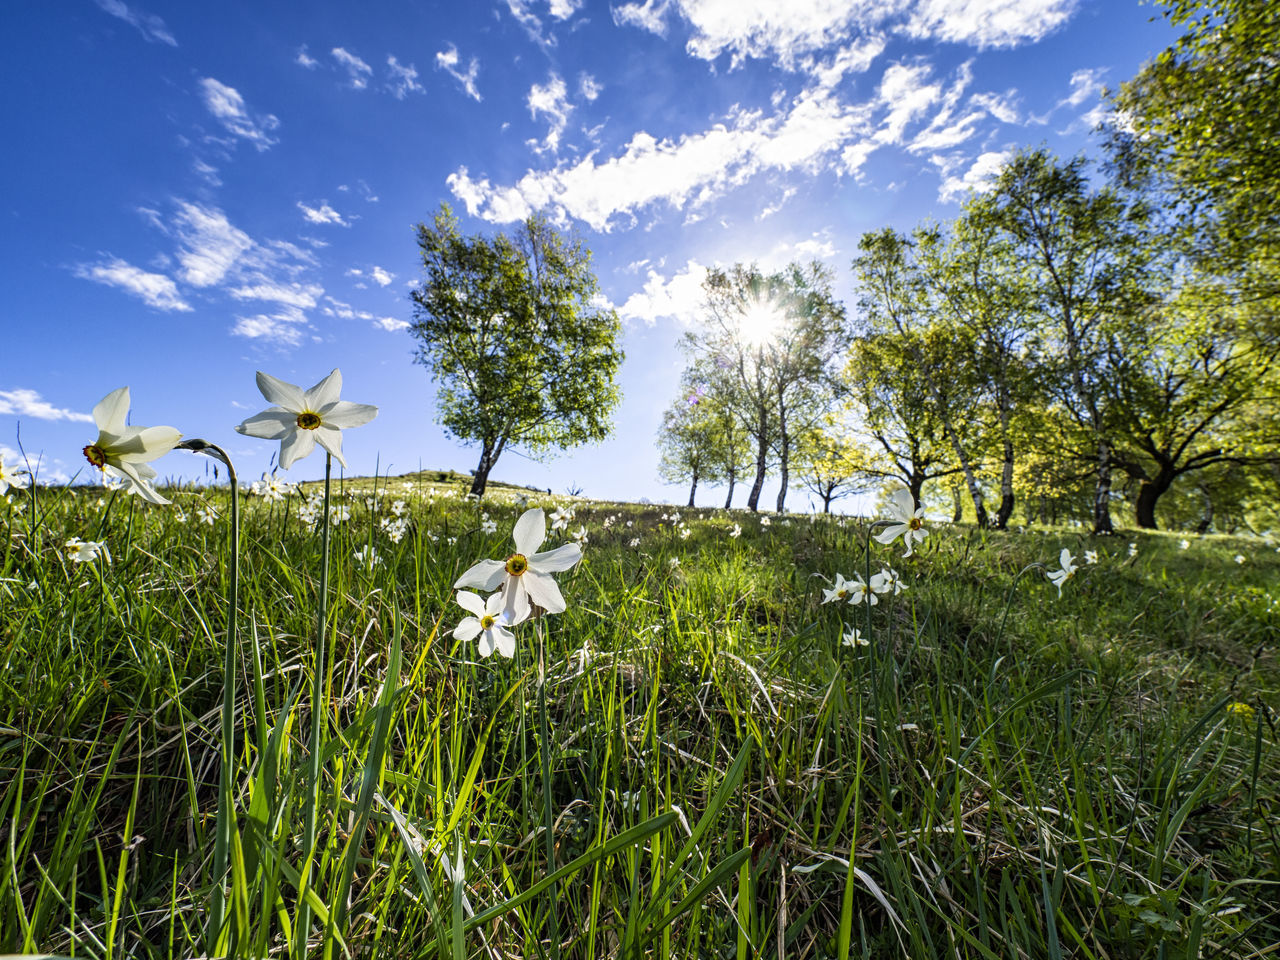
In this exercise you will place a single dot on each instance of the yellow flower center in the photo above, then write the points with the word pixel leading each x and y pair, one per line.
pixel 308 420
pixel 486 622
pixel 96 455
pixel 915 523
pixel 517 564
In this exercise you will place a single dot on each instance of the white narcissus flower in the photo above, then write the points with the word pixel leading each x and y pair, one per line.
pixel 1184 544
pixel 854 638
pixel 579 536
pixel 488 526
pixel 11 477
pixel 1239 558
pixel 560 518
pixel 909 521
pixel 736 531
pixel 887 580
pixel 489 623
pixel 1059 577
pixel 86 551
pixel 1133 549
pixel 766 522
pixel 123 451
pixel 840 590
pixel 300 419
pixel 525 576
pixel 1091 556
pixel 858 591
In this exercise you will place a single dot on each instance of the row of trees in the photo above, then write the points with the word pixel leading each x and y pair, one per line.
pixel 1060 338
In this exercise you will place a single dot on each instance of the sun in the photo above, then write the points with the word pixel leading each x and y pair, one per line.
pixel 760 323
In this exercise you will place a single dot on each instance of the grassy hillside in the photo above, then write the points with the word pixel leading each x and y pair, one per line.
pixel 997 772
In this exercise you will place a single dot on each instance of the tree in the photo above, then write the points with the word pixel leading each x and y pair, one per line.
pixel 688 442
pixel 510 330
pixel 1200 122
pixel 1082 251
pixel 770 341
pixel 827 463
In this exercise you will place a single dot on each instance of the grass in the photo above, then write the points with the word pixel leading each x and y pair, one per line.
pixel 1000 773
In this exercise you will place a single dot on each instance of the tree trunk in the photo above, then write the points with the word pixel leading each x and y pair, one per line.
pixel 728 501
pixel 1148 493
pixel 1102 492
pixel 762 462
pixel 784 450
pixel 1206 518
pixel 917 482
pixel 957 511
pixel 827 498
pixel 1006 477
pixel 693 488
pixel 481 475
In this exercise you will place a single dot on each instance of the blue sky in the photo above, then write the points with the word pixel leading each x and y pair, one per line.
pixel 199 191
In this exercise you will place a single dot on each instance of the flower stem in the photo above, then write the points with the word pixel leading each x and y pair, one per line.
pixel 544 755
pixel 317 712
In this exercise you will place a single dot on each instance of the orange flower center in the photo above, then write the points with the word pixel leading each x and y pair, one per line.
pixel 96 455
pixel 517 564
pixel 486 622
pixel 308 420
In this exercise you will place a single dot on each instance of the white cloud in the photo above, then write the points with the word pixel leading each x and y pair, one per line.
pixel 404 80
pixel 358 71
pixel 21 402
pixel 588 86
pixel 381 277
pixel 946 129
pixel 1004 107
pixel 679 298
pixel 977 178
pixel 226 104
pixel 650 15
pixel 447 60
pixel 301 296
pixel 155 289
pixel 305 60
pixel 285 328
pixel 817 247
pixel 150 26
pixel 552 101
pixel 694 170
pixel 1084 84
pixel 904 91
pixel 390 324
pixel 322 214
pixel 564 9
pixel 206 171
pixel 988 23
pixel 855 57
pixel 210 245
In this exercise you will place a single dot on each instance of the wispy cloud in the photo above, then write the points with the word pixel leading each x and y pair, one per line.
pixel 1085 83
pixel 209 245
pixel 552 101
pixel 228 106
pixel 988 23
pixel 322 214
pixel 21 402
pixel 404 80
pixel 390 324
pixel 448 60
pixel 154 289
pixel 381 277
pixel 977 178
pixel 150 26
pixel 358 71
pixel 302 296
pixel 284 328
pixel 303 59
pixel 589 87
pixel 679 297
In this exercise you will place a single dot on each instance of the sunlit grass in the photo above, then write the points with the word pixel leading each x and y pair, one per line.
pixel 727 779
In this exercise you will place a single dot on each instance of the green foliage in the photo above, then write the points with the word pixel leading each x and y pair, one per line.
pixel 510 330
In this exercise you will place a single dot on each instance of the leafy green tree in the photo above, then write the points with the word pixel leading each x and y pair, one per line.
pixel 772 341
pixel 828 462
pixel 510 329
pixel 1082 251
pixel 1201 125
pixel 687 442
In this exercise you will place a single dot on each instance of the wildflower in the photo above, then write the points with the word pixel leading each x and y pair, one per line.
pixel 736 531
pixel 488 526
pixel 489 622
pixel 398 508
pixel 854 638
pixel 395 528
pixel 11 477
pixel 675 518
pixel 887 579
pixel 1133 549
pixel 270 489
pixel 1239 558
pixel 858 591
pixel 561 517
pixel 1244 711
pixel 908 525
pixel 300 420
pixel 1091 556
pixel 766 522
pixel 180 516
pixel 339 514
pixel 1184 544
pixel 684 532
pixel 674 563
pixel 123 451
pixel 839 591
pixel 579 536
pixel 522 500
pixel 366 556
pixel 206 514
pixel 525 576
pixel 634 542
pixel 1059 577
pixel 86 551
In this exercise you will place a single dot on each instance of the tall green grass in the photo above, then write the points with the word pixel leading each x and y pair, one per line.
pixel 999 773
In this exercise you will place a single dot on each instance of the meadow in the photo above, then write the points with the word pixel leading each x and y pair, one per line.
pixel 697 766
